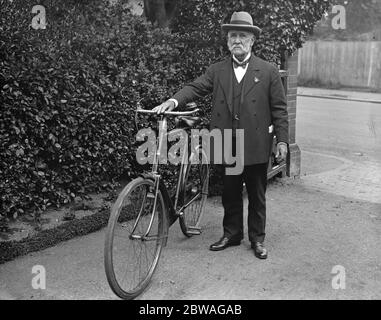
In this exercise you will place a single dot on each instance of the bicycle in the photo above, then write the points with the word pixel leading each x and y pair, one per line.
pixel 140 218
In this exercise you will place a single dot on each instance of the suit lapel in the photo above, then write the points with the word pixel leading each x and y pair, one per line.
pixel 252 76
pixel 226 81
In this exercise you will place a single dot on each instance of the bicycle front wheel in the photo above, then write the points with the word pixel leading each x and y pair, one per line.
pixel 135 236
pixel 194 194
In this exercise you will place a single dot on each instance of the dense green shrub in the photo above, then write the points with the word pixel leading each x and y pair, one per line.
pixel 68 92
pixel 67 98
pixel 285 23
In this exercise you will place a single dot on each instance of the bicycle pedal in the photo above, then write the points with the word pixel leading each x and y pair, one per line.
pixel 194 232
pixel 195 228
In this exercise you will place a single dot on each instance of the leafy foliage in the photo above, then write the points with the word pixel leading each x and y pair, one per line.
pixel 363 22
pixel 285 24
pixel 68 92
pixel 67 97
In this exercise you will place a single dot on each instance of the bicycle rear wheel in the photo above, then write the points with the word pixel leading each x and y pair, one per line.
pixel 135 237
pixel 194 194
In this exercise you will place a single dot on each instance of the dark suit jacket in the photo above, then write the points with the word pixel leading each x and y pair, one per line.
pixel 264 104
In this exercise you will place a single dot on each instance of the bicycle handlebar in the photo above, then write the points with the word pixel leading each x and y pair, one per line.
pixel 170 113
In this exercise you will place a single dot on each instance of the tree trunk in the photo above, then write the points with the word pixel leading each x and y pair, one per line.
pixel 161 12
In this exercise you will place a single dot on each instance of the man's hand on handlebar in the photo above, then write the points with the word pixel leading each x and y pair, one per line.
pixel 165 106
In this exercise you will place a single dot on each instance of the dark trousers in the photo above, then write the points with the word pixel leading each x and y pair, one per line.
pixel 255 178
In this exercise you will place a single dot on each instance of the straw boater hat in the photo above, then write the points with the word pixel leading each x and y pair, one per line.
pixel 242 21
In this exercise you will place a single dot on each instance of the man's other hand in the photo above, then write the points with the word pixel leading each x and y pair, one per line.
pixel 281 152
pixel 165 106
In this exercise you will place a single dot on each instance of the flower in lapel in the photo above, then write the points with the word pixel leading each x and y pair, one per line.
pixel 256 80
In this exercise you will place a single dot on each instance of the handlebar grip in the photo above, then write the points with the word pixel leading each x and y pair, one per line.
pixel 172 113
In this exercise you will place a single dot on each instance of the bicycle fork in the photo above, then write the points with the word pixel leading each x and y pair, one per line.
pixel 156 187
pixel 148 195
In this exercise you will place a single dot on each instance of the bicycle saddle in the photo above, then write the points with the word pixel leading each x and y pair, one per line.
pixel 187 121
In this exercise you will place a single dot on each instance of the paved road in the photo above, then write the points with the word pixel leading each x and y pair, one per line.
pixel 349 130
pixel 340 127
pixel 332 216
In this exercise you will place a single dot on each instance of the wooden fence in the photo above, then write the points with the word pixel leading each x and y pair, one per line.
pixel 341 63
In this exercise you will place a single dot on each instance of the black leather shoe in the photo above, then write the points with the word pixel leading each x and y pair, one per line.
pixel 223 243
pixel 259 250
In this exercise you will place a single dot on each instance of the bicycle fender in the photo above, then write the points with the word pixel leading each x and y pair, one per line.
pixel 147 175
pixel 170 213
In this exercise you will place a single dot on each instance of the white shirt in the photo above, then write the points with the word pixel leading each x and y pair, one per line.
pixel 240 72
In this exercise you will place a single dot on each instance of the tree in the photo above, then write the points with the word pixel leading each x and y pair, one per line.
pixel 363 21
pixel 161 12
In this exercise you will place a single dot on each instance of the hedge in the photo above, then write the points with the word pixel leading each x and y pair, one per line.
pixel 67 96
pixel 50 237
pixel 68 92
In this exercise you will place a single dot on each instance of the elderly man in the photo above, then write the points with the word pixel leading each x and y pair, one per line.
pixel 247 94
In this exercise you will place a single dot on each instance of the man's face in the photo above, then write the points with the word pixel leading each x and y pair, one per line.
pixel 240 42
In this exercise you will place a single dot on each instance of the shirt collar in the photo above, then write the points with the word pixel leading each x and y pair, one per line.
pixel 246 59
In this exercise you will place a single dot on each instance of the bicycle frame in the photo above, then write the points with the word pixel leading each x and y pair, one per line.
pixel 154 175
pixel 145 209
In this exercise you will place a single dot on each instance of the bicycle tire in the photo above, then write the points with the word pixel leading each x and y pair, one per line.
pixel 196 176
pixel 125 213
